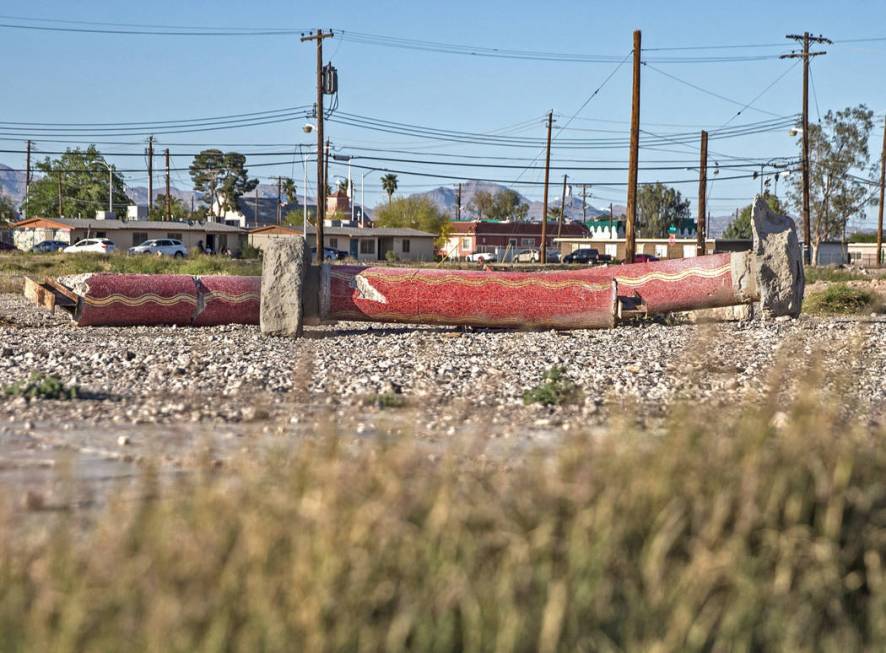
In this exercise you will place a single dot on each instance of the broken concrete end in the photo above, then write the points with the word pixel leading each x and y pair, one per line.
pixel 778 261
pixel 282 286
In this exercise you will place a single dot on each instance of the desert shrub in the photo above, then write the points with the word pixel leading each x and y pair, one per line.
pixel 41 386
pixel 555 388
pixel 840 299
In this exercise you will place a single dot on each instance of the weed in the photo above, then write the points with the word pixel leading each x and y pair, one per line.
pixel 62 264
pixel 556 388
pixel 834 274
pixel 41 386
pixel 388 399
pixel 840 299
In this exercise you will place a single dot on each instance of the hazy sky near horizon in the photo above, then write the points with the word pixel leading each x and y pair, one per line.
pixel 71 77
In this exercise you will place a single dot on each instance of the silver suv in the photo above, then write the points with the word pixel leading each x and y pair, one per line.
pixel 161 247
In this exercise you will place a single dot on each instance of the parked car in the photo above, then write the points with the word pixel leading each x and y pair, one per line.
pixel 644 258
pixel 330 254
pixel 95 245
pixel 481 257
pixel 7 247
pixel 161 247
pixel 585 255
pixel 604 258
pixel 534 256
pixel 46 246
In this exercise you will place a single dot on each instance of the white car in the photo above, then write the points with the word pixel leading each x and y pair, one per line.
pixel 482 257
pixel 161 247
pixel 96 245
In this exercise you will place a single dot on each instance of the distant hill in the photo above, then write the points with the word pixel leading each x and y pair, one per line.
pixel 12 183
pixel 445 198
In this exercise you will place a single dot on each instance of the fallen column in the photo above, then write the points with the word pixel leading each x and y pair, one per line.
pixel 292 293
pixel 295 293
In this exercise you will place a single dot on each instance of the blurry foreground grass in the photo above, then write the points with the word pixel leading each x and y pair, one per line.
pixel 762 531
pixel 60 264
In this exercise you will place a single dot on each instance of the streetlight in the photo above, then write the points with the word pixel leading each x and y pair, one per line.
pixel 362 188
pixel 308 128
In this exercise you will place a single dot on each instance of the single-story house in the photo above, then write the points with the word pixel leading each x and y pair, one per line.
pixel 864 254
pixel 125 234
pixel 662 248
pixel 367 244
pixel 474 236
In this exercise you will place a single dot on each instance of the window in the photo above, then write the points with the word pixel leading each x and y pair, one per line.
pixel 175 236
pixel 405 245
pixel 611 249
pixel 689 251
pixel 367 246
pixel 466 243
pixel 512 242
pixel 661 251
pixel 333 243
pixel 528 242
pixel 101 234
pixel 138 237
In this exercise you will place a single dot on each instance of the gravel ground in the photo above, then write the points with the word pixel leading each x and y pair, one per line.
pixel 177 394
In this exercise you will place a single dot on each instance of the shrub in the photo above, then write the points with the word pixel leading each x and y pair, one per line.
pixel 41 386
pixel 556 388
pixel 840 299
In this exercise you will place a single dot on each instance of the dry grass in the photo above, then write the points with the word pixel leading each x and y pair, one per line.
pixel 61 264
pixel 841 299
pixel 766 531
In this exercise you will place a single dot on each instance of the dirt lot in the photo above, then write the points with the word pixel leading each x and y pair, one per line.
pixel 171 397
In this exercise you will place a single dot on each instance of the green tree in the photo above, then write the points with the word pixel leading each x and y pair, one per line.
pixel 507 204
pixel 8 213
pixel 740 227
pixel 839 172
pixel 389 185
pixel 415 212
pixel 222 178
pixel 178 209
pixel 80 179
pixel 482 203
pixel 659 207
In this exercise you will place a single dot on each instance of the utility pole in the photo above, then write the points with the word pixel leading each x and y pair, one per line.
pixel 630 235
pixel 150 173
pixel 27 177
pixel 879 251
pixel 458 204
pixel 543 256
pixel 700 249
pixel 584 202
pixel 256 206
pixel 168 198
pixel 279 198
pixel 806 39
pixel 562 208
pixel 321 179
pixel 61 176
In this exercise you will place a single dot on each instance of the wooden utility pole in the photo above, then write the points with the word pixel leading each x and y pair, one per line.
pixel 321 178
pixel 879 251
pixel 630 234
pixel 150 173
pixel 543 255
pixel 279 198
pixel 27 177
pixel 458 203
pixel 168 208
pixel 805 55
pixel 562 208
pixel 584 202
pixel 700 249
pixel 61 180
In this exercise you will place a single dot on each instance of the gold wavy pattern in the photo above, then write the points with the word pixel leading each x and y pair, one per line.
pixel 233 299
pixel 141 300
pixel 479 282
pixel 705 273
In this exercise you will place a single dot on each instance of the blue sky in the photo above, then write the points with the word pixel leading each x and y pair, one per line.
pixel 75 77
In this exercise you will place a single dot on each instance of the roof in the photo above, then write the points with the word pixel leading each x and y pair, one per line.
pixel 352 232
pixel 110 225
pixel 514 228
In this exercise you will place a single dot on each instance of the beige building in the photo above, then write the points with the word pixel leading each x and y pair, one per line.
pixel 662 248
pixel 369 244
pixel 126 234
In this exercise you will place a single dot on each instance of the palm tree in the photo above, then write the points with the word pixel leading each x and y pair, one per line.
pixel 290 190
pixel 389 184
